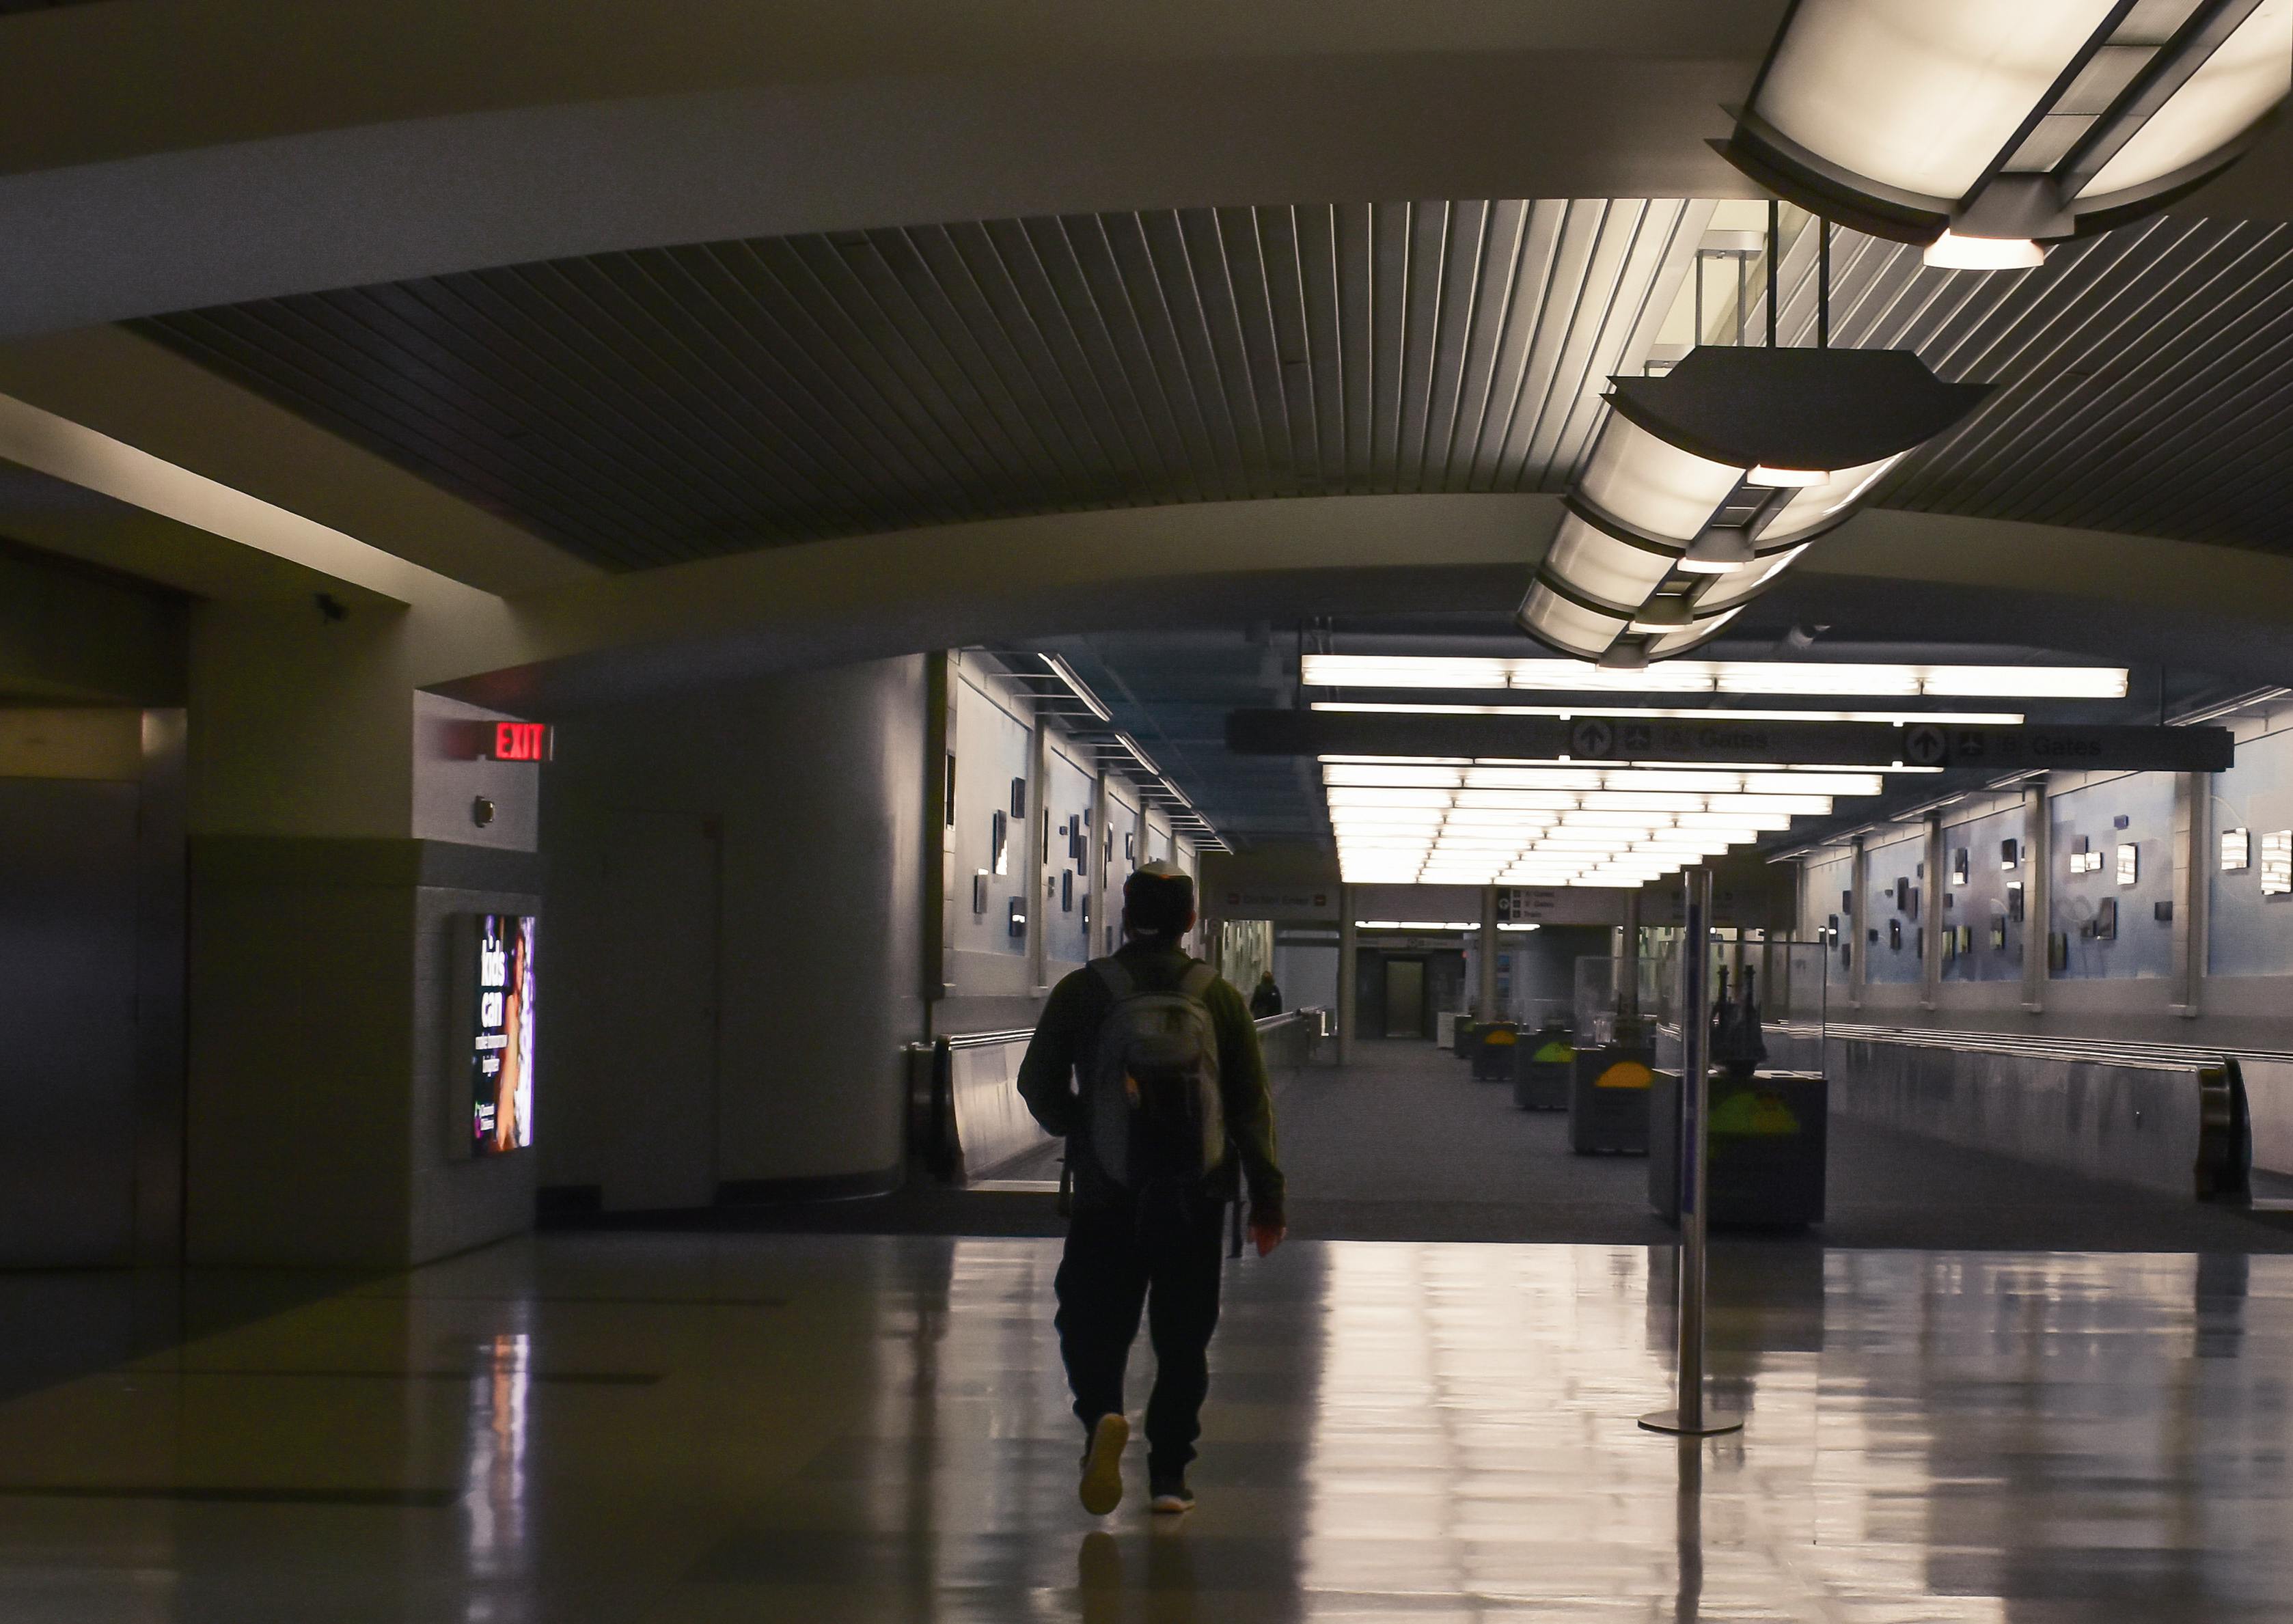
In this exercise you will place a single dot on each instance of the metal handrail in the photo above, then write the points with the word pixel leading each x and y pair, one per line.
pixel 980 1040
pixel 2167 1056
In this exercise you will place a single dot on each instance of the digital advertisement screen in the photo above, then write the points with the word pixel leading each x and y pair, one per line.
pixel 501 1056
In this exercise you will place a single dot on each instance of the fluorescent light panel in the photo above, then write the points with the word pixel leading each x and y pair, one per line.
pixel 1717 676
pixel 1898 718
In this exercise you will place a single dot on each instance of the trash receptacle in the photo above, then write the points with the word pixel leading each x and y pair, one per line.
pixel 1493 1060
pixel 1769 1147
pixel 1545 1065
pixel 1609 1100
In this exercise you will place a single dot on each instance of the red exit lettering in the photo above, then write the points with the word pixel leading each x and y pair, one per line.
pixel 521 741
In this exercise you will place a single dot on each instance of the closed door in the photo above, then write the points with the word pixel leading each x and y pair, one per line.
pixel 66 1022
pixel 1405 997
pixel 645 1057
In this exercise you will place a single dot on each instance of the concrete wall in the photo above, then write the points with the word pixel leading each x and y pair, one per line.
pixel 1980 902
pixel 1307 975
pixel 2124 987
pixel 326 1085
pixel 448 782
pixel 2140 948
pixel 816 783
pixel 2252 934
pixel 1068 904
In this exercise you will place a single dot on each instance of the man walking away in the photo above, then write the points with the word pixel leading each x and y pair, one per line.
pixel 1268 999
pixel 1147 1064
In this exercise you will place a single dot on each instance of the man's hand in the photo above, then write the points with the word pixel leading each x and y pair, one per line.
pixel 1267 1236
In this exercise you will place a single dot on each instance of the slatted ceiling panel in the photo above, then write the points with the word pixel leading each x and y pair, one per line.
pixel 646 409
pixel 2143 377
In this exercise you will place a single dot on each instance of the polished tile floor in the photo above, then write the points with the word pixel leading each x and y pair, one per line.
pixel 672 1429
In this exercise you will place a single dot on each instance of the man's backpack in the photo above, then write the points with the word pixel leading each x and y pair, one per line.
pixel 1154 1108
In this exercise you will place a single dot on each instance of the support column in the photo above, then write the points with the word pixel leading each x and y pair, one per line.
pixel 1938 888
pixel 1858 955
pixel 2037 893
pixel 1489 1006
pixel 1628 970
pixel 1106 902
pixel 942 878
pixel 1348 962
pixel 1039 812
pixel 335 862
pixel 2194 860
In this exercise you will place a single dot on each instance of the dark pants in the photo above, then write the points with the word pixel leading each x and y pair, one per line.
pixel 1166 1257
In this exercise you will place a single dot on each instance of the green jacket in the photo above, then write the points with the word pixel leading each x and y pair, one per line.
pixel 1067 1037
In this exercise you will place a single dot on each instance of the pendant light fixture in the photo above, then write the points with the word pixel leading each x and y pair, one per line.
pixel 1706 483
pixel 1982 131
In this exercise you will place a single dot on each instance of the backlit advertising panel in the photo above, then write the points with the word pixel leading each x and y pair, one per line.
pixel 501 1054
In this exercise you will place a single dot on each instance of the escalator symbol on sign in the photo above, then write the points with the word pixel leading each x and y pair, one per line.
pixel 1923 746
pixel 1594 737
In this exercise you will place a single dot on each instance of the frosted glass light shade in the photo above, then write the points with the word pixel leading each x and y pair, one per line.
pixel 2234 89
pixel 1996 127
pixel 1699 476
pixel 1651 486
pixel 1819 505
pixel 1603 567
pixel 1569 627
pixel 1918 95
pixel 1732 591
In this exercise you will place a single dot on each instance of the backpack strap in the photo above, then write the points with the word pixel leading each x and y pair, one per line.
pixel 1117 979
pixel 1195 983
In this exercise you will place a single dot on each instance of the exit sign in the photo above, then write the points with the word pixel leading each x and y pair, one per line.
pixel 515 742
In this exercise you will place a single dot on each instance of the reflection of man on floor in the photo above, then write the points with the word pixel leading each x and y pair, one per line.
pixel 1173 1097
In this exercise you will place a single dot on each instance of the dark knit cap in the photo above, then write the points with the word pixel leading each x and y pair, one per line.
pixel 1158 900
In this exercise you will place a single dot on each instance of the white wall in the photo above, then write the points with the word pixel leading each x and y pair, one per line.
pixel 447 781
pixel 816 783
pixel 994 734
pixel 1307 975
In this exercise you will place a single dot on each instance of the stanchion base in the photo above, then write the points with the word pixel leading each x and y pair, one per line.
pixel 1715 1423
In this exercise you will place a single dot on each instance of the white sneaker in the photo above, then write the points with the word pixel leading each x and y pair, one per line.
pixel 1101 1489
pixel 1173 1497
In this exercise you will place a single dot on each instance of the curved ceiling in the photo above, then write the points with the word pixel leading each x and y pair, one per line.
pixel 656 407
pixel 324 146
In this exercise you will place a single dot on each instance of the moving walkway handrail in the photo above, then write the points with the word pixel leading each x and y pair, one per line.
pixel 1021 1034
pixel 980 1040
pixel 2165 1056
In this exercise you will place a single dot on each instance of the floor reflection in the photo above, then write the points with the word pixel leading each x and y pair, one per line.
pixel 666 1430
pixel 494 1497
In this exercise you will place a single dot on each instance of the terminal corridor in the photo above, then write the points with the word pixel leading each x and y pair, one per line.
pixel 1403 1144
pixel 700 704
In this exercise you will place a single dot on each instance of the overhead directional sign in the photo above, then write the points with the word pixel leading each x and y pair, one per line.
pixel 1719 741
pixel 1924 745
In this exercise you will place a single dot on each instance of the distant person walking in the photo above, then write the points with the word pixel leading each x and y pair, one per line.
pixel 1268 999
pixel 1147 1064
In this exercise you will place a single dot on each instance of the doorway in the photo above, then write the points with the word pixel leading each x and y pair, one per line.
pixel 67 1012
pixel 1405 997
pixel 637 1100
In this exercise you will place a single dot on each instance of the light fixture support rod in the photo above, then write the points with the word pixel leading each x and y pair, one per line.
pixel 1823 285
pixel 1775 243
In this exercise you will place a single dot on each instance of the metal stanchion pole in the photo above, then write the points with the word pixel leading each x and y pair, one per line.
pixel 1692 1417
